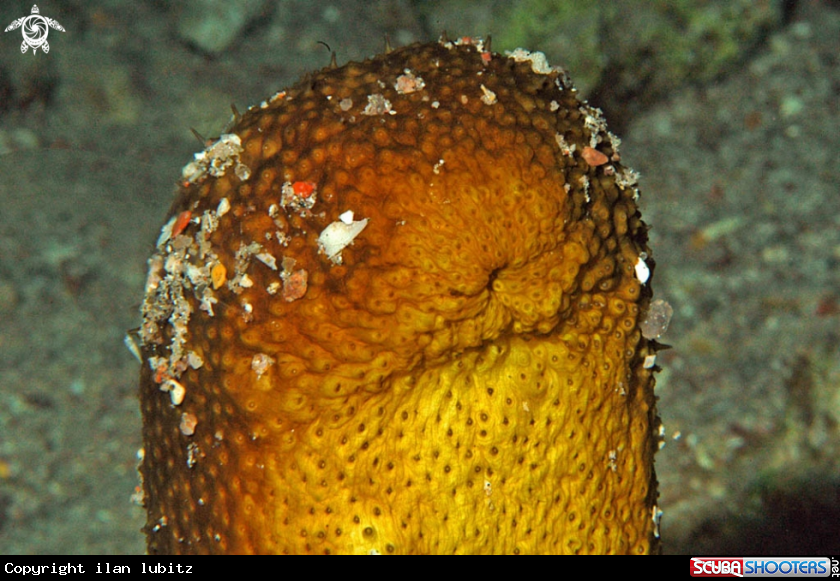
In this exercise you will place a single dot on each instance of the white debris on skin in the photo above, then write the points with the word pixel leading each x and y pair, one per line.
pixel 188 423
pixel 565 148
pixel 209 224
pixel 612 456
pixel 277 96
pixel 584 182
pixel 489 97
pixel 193 454
pixel 655 515
pixel 214 160
pixel 378 105
pixel 593 120
pixel 260 363
pixel 642 269
pixel 207 302
pixel 165 235
pixel 626 178
pixel 194 360
pixel 223 207
pixel 247 311
pixel 165 303
pixel 242 171
pixel 242 258
pixel 475 41
pixel 408 82
pixel 335 237
pixel 267 259
pixel 175 389
pixel 539 64
pixel 615 143
pixel 180 267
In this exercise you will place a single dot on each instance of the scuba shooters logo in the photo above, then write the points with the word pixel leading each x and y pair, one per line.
pixel 761 566
pixel 35 29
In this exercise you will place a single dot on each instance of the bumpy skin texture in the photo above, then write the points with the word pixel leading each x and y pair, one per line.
pixel 468 379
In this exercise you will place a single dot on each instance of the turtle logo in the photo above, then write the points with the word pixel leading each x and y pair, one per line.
pixel 35 30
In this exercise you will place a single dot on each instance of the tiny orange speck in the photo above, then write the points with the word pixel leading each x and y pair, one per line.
pixel 181 222
pixel 218 274
pixel 303 189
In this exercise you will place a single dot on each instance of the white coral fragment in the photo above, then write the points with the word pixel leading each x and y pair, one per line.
pixel 489 97
pixel 642 269
pixel 408 82
pixel 166 232
pixel 261 362
pixel 175 389
pixel 338 235
pixel 223 207
pixel 378 105
pixel 216 159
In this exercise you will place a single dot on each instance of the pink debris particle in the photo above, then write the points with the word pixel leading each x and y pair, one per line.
pixel 594 157
pixel 408 82
pixel 294 286
pixel 188 423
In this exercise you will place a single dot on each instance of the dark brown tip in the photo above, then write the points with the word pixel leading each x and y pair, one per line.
pixel 199 136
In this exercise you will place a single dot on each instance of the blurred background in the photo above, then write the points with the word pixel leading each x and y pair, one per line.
pixel 730 109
